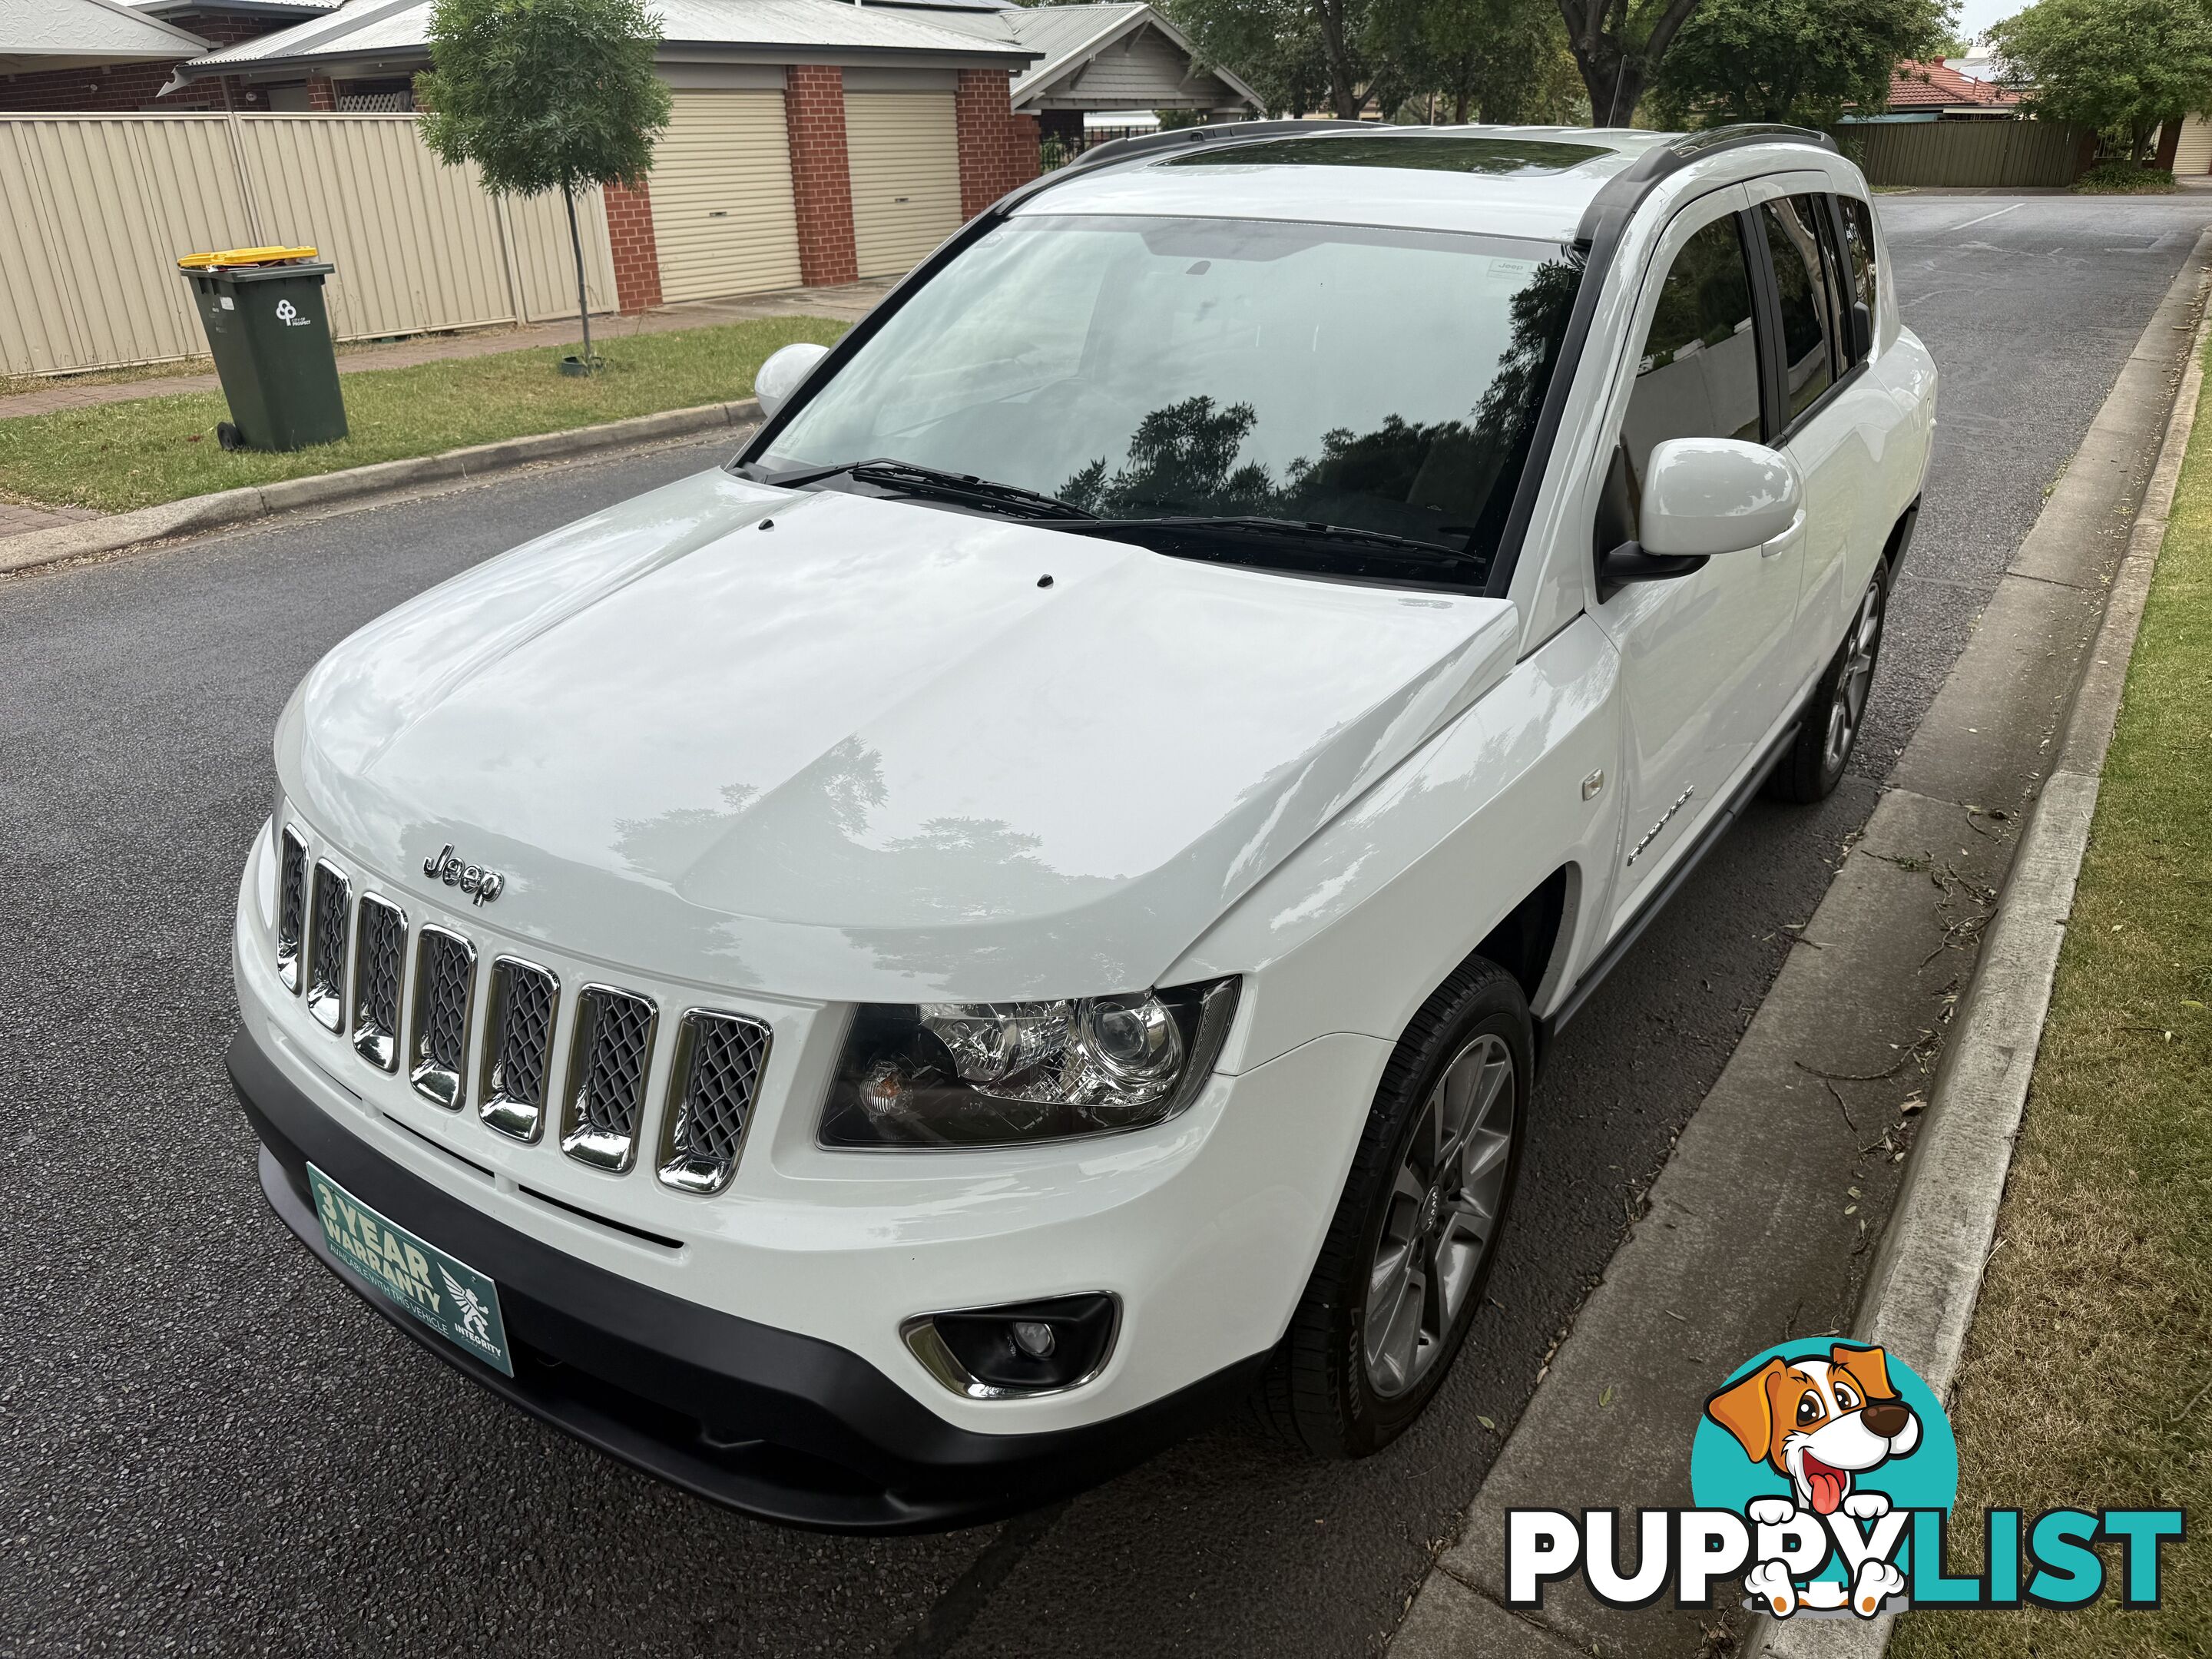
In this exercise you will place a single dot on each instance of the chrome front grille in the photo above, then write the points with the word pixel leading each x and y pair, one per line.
pixel 718 1060
pixel 613 1048
pixel 413 1012
pixel 379 964
pixel 291 906
pixel 327 949
pixel 518 1047
pixel 445 986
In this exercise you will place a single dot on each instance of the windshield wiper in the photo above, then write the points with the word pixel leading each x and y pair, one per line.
pixel 910 479
pixel 1283 530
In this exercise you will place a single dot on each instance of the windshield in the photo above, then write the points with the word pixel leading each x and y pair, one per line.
pixel 1142 368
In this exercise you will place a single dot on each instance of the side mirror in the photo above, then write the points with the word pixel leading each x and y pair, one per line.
pixel 1708 495
pixel 1861 331
pixel 780 375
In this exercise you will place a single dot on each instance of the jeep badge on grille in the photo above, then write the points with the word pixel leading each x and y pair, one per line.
pixel 485 885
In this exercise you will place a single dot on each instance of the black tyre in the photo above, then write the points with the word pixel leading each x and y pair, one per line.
pixel 1815 763
pixel 1402 1267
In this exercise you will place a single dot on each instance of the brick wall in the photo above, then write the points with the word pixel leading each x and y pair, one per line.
pixel 636 255
pixel 322 94
pixel 998 148
pixel 821 175
pixel 120 87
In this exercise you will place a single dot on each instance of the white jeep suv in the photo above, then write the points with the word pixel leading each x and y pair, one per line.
pixel 885 980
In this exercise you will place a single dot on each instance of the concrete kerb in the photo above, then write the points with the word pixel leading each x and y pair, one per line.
pixel 1927 1274
pixel 91 536
pixel 1736 1248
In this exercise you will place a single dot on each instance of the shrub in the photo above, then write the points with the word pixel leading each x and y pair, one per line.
pixel 2124 177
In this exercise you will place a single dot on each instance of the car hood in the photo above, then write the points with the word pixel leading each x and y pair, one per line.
pixel 832 746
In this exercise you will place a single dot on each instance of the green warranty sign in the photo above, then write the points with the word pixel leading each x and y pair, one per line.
pixel 446 1293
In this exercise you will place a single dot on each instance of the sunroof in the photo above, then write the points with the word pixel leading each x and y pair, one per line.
pixel 1427 152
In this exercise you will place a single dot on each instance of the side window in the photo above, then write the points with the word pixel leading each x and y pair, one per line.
pixel 1858 239
pixel 1794 245
pixel 1699 375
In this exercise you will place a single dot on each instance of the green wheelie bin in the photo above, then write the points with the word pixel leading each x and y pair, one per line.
pixel 270 338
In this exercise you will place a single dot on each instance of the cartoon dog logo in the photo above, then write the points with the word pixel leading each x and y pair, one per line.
pixel 1820 1423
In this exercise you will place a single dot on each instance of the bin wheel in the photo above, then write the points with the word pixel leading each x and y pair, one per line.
pixel 228 435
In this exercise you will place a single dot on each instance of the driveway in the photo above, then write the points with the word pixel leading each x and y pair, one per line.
pixel 211 1445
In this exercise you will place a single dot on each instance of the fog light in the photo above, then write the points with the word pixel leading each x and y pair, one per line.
pixel 1020 1349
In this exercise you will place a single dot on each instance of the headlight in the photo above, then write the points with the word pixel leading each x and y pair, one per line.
pixel 1000 1073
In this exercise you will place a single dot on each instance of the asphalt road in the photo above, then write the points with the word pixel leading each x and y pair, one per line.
pixel 207 1445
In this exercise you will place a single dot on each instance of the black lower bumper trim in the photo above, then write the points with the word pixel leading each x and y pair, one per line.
pixel 769 1422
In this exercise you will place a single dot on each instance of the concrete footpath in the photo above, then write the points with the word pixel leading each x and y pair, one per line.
pixel 1755 1232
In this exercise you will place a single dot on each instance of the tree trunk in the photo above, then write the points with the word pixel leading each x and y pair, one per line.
pixel 1615 81
pixel 576 246
pixel 1614 76
pixel 1342 90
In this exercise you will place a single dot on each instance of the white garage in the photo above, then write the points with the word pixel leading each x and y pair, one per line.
pixel 722 214
pixel 904 149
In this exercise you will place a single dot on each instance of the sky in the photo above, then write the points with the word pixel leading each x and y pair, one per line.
pixel 1976 16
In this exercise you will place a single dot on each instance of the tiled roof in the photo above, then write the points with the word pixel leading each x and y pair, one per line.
pixel 1937 86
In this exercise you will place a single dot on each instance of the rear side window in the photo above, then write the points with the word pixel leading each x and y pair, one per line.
pixel 1698 375
pixel 1858 242
pixel 1794 245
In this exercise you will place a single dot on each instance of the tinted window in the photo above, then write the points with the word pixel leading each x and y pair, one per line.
pixel 1858 237
pixel 1795 246
pixel 1699 375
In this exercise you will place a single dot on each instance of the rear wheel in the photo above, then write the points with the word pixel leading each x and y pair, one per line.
pixel 1815 763
pixel 1402 1270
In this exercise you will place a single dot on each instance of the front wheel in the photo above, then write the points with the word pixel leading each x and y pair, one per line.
pixel 1814 765
pixel 1402 1270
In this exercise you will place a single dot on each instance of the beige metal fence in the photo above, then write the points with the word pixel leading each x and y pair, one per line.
pixel 1994 154
pixel 94 210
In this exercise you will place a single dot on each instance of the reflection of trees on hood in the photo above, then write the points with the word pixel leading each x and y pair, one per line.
pixel 1405 478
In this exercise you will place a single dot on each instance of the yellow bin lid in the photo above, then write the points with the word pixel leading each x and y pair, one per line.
pixel 243 256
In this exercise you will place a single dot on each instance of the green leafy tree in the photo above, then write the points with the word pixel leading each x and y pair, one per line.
pixel 2124 67
pixel 1799 61
pixel 545 95
pixel 1299 55
pixel 1489 60
pixel 1619 45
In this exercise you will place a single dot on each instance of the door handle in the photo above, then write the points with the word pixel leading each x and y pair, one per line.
pixel 1788 539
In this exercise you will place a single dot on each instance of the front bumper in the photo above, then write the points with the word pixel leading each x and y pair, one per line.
pixel 770 1422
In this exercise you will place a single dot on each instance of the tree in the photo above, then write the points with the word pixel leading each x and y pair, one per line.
pixel 545 95
pixel 1298 55
pixel 2124 67
pixel 1798 61
pixel 1619 45
pixel 1491 60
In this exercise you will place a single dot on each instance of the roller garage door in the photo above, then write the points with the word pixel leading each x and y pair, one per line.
pixel 904 151
pixel 721 196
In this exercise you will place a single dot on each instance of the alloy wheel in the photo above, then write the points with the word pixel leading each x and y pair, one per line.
pixel 1442 1217
pixel 1849 704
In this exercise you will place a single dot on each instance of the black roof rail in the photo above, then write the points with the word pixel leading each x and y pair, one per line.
pixel 1628 187
pixel 1221 133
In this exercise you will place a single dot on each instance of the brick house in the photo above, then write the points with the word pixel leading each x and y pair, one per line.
pixel 812 141
pixel 106 55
